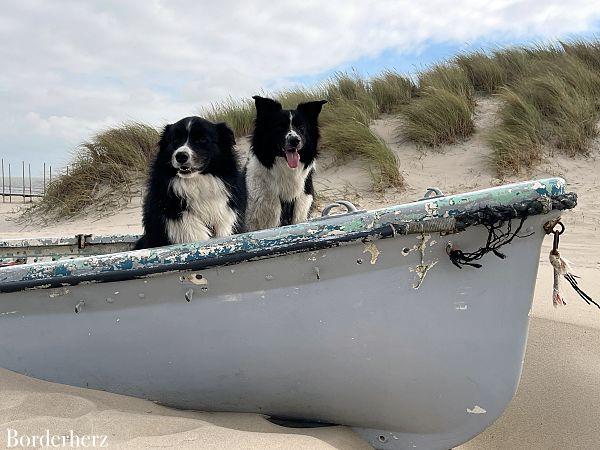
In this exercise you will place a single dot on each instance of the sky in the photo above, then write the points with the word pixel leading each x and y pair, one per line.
pixel 72 68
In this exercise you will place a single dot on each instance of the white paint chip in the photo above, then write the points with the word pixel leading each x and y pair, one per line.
pixel 58 293
pixel 537 185
pixel 431 208
pixel 476 410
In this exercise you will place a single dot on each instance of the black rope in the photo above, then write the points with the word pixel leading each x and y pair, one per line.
pixel 496 238
pixel 572 279
pixel 498 221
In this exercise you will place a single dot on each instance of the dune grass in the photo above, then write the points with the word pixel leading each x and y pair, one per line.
pixel 555 101
pixel 438 117
pixel 346 134
pixel 342 88
pixel 105 174
pixel 545 93
pixel 550 95
pixel 345 131
pixel 516 143
pixel 578 75
pixel 391 91
pixel 514 62
pixel 442 112
pixel 448 77
pixel 238 114
pixel 290 99
pixel 485 73
pixel 586 52
pixel 575 126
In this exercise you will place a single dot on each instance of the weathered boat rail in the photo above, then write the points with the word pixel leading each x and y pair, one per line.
pixel 34 250
pixel 437 214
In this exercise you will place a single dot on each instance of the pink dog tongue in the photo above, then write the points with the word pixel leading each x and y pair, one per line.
pixel 293 159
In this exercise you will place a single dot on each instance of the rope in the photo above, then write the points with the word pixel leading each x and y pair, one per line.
pixel 498 221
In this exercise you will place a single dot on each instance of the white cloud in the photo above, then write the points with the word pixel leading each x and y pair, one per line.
pixel 69 68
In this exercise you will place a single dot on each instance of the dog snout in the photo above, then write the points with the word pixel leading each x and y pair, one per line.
pixel 292 141
pixel 182 156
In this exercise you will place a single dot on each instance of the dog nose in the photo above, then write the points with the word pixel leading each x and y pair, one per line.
pixel 293 141
pixel 182 157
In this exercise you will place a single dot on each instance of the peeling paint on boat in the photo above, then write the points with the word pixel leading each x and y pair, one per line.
pixel 537 185
pixel 431 208
pixel 371 248
pixel 322 233
pixel 58 293
pixel 476 410
pixel 423 267
pixel 194 278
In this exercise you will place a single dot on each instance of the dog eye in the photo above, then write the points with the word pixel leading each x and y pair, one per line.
pixel 179 136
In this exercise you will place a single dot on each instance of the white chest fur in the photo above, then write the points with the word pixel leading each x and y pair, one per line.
pixel 287 184
pixel 207 200
pixel 267 187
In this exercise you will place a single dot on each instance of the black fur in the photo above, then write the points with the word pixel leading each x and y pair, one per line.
pixel 269 139
pixel 287 212
pixel 272 124
pixel 213 145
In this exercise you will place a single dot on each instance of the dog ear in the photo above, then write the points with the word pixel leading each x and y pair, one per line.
pixel 311 109
pixel 266 105
pixel 226 137
pixel 163 136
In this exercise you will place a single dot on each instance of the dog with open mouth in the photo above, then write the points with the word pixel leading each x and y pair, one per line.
pixel 281 163
pixel 195 190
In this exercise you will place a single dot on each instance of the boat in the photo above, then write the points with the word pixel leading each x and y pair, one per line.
pixel 407 323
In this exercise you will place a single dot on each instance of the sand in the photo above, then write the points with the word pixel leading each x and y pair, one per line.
pixel 556 405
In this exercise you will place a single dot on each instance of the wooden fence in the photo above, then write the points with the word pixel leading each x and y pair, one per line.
pixel 26 190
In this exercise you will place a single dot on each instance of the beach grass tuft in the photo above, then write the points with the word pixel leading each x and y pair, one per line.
pixel 106 173
pixel 346 135
pixel 587 52
pixel 448 77
pixel 391 91
pixel 238 114
pixel 485 73
pixel 516 142
pixel 554 103
pixel 438 117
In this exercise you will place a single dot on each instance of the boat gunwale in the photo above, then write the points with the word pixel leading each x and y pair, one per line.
pixel 313 235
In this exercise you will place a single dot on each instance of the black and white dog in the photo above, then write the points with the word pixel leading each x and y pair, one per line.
pixel 195 190
pixel 281 163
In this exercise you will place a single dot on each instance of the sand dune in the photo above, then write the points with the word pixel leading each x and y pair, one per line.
pixel 555 407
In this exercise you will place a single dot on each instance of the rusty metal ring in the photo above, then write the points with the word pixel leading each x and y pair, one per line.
pixel 562 228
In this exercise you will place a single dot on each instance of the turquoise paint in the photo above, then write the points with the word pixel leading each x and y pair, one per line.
pixel 278 239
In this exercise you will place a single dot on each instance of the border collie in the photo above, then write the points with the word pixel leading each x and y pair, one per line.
pixel 195 190
pixel 281 163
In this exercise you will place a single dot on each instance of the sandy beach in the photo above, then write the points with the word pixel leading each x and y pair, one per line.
pixel 556 405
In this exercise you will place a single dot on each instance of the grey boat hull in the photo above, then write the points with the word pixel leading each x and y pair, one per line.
pixel 386 336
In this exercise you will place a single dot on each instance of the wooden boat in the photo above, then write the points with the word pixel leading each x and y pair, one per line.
pixel 360 319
